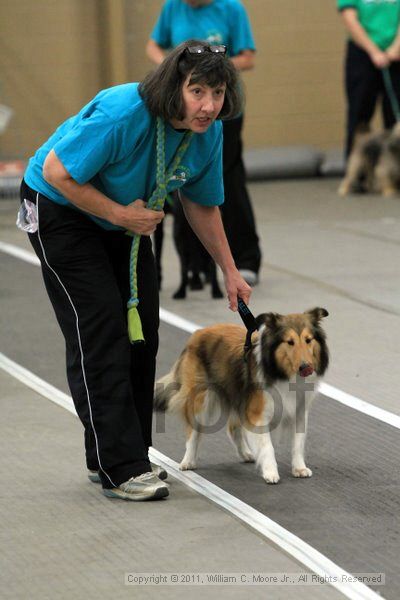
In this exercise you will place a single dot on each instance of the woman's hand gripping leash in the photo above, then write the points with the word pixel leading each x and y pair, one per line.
pixel 236 288
pixel 139 219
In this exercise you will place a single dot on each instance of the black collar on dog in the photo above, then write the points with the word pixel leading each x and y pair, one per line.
pixel 250 323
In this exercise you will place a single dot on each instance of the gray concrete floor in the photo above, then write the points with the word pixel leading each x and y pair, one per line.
pixel 63 539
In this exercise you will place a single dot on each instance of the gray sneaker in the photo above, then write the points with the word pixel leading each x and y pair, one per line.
pixel 93 476
pixel 161 473
pixel 143 487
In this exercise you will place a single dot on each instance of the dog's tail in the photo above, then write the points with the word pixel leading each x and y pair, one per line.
pixel 167 397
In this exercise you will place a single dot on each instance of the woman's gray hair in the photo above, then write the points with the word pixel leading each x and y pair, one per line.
pixel 162 88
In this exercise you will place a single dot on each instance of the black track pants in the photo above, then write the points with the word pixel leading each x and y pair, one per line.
pixel 86 274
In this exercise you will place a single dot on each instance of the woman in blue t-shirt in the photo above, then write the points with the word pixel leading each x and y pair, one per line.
pixel 84 189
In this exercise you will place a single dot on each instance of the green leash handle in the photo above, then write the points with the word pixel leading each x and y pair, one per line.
pixel 135 331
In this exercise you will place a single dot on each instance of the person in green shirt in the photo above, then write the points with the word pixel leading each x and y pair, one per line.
pixel 373 45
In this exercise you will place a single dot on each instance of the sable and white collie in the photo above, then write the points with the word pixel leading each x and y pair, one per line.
pixel 267 390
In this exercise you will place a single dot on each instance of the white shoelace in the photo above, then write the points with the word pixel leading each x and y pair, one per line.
pixel 142 478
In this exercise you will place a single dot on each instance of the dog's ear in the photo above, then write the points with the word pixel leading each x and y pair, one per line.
pixel 270 320
pixel 317 314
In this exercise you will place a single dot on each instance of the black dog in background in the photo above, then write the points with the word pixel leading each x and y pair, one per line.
pixel 196 263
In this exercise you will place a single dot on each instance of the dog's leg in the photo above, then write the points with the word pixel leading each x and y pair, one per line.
pixel 345 186
pixel 237 436
pixel 353 171
pixel 265 454
pixel 192 444
pixel 196 415
pixel 299 425
pixel 384 181
pixel 370 181
pixel 259 437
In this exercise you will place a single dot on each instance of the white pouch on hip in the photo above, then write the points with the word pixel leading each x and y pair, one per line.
pixel 27 219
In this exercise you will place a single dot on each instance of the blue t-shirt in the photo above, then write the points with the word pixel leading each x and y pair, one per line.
pixel 220 22
pixel 111 143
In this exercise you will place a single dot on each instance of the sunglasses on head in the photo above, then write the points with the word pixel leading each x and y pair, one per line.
pixel 205 48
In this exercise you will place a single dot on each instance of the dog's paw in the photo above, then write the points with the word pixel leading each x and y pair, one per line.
pixel 187 466
pixel 343 190
pixel 304 472
pixel 389 192
pixel 271 475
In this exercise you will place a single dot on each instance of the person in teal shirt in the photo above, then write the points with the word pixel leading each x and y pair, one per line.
pixel 86 188
pixel 219 22
pixel 373 45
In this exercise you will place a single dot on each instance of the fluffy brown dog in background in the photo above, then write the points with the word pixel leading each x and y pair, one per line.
pixel 374 164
